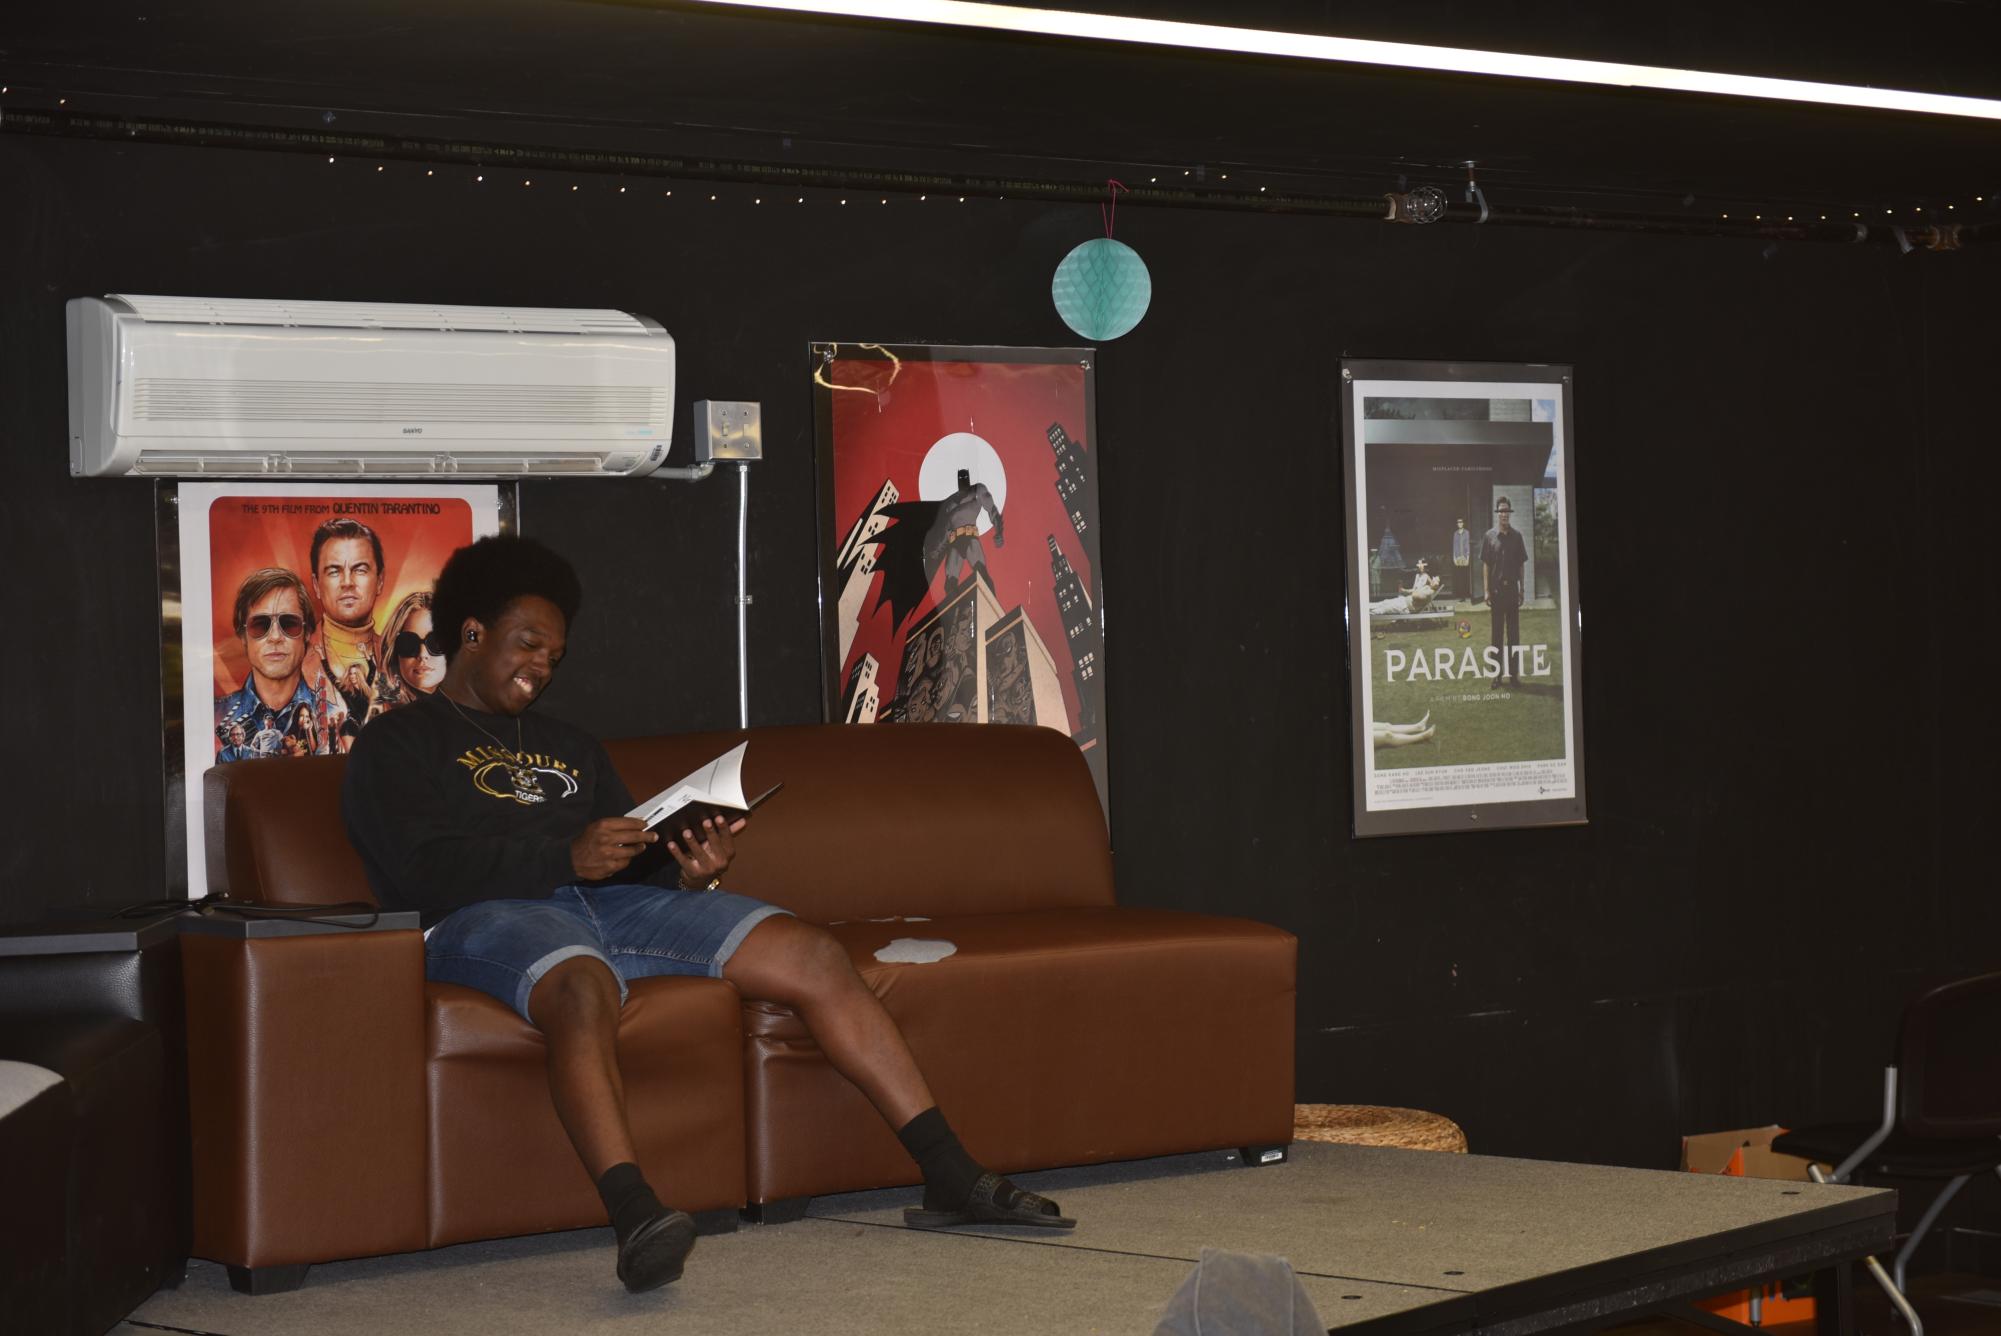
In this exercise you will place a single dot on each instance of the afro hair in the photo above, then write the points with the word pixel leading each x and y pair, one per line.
pixel 481 580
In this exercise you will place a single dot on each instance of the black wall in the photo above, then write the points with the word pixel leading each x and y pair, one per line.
pixel 1781 453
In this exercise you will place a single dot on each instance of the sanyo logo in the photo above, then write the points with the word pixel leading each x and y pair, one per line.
pixel 413 431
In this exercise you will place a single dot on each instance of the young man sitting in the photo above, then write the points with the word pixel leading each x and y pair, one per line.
pixel 507 831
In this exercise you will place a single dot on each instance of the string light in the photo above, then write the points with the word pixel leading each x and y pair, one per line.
pixel 430 172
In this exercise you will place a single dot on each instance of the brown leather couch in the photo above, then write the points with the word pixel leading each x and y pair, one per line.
pixel 343 1106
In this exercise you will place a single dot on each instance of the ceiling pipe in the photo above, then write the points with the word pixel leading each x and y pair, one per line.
pixel 56 123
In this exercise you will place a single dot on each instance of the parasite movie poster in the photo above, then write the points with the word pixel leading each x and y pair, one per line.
pixel 1463 620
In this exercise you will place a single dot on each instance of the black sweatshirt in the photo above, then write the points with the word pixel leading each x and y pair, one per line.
pixel 431 802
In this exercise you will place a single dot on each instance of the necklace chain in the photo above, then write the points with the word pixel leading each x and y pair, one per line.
pixel 527 788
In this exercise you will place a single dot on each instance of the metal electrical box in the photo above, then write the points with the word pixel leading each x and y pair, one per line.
pixel 726 429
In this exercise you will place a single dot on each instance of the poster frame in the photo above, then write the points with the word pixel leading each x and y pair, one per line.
pixel 178 801
pixel 829 535
pixel 1490 813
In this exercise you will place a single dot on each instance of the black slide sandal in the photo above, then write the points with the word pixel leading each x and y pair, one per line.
pixel 982 1209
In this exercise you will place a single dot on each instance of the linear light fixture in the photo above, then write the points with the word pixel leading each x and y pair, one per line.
pixel 1358 51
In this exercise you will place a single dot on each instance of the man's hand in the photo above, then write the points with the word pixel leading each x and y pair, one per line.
pixel 607 844
pixel 705 854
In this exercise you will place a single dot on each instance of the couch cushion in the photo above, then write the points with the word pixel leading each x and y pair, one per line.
pixel 900 819
pixel 500 1162
pixel 1049 1037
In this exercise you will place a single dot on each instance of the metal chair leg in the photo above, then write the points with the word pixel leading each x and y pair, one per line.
pixel 1889 1287
pixel 1925 1222
pixel 1897 1298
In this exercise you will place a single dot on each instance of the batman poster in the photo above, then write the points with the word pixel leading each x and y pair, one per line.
pixel 959 537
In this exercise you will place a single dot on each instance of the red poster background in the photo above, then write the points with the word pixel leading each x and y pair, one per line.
pixel 247 533
pixel 885 434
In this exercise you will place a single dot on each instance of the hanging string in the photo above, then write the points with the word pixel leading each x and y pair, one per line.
pixel 832 350
pixel 1111 214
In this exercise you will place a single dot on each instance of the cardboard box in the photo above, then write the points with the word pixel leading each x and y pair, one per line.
pixel 1748 1153
pixel 1742 1154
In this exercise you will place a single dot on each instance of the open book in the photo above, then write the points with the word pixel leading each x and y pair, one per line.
pixel 715 790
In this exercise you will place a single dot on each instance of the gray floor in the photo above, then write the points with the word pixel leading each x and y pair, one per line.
pixel 1421 1227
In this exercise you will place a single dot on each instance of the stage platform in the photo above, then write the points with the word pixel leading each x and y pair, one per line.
pixel 1387 1243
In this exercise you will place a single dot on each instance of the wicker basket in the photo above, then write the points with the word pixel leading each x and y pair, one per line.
pixel 1373 1125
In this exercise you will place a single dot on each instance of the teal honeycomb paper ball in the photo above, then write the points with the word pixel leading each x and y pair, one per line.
pixel 1102 288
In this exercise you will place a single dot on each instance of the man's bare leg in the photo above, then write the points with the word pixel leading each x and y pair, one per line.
pixel 803 967
pixel 575 1006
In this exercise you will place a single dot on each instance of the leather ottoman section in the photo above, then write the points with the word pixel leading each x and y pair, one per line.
pixel 1050 1037
pixel 306 1095
pixel 500 1162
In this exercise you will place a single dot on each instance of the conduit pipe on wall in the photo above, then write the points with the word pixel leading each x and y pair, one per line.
pixel 496 156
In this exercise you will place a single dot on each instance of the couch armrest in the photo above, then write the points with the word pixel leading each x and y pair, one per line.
pixel 306 1090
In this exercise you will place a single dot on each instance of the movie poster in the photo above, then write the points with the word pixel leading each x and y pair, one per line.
pixel 959 538
pixel 305 612
pixel 1463 621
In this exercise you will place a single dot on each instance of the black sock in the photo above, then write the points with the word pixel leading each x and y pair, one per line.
pixel 949 1172
pixel 628 1199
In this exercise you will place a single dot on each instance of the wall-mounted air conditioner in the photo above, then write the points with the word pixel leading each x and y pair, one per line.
pixel 216 387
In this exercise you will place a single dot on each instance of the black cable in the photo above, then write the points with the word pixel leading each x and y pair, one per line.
pixel 330 914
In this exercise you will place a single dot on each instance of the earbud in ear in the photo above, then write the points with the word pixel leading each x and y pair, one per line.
pixel 472 637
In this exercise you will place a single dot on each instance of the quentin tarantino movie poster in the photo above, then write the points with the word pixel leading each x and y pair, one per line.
pixel 305 612
pixel 959 538
pixel 1462 614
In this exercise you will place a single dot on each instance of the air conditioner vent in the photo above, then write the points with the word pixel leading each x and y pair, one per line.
pixel 379 315
pixel 216 387
pixel 162 399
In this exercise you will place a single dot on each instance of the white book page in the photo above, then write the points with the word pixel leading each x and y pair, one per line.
pixel 719 783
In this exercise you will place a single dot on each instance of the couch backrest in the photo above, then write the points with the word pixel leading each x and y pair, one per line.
pixel 275 834
pixel 881 819
pixel 873 820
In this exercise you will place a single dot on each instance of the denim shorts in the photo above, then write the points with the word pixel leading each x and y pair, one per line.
pixel 504 947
